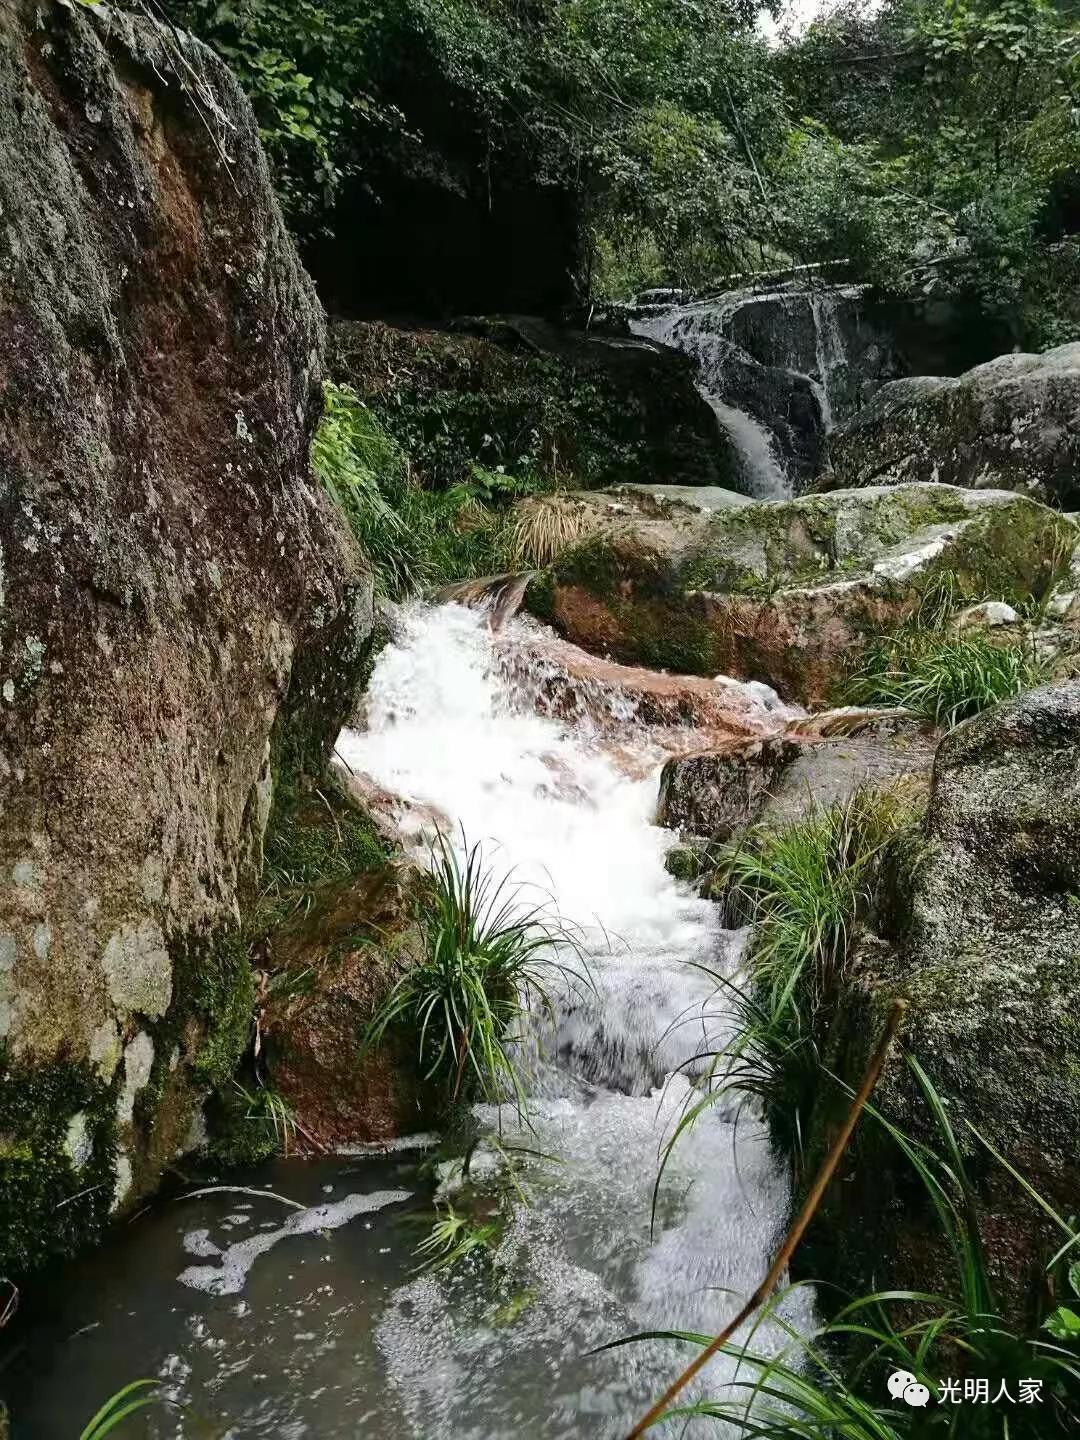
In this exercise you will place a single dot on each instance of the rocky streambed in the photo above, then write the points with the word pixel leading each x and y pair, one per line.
pixel 220 768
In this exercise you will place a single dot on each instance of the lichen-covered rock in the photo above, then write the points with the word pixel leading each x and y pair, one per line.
pixel 985 945
pixel 180 606
pixel 1011 424
pixel 790 593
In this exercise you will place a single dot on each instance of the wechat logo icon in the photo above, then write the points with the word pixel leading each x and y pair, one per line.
pixel 904 1386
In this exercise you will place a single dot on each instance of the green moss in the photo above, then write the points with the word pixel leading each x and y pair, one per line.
pixel 683 862
pixel 316 837
pixel 541 595
pixel 667 637
pixel 213 981
pixel 49 1203
pixel 453 401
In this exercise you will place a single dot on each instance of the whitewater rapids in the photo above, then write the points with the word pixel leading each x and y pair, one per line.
pixel 457 727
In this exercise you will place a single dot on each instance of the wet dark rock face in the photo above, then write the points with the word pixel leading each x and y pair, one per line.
pixel 180 609
pixel 984 944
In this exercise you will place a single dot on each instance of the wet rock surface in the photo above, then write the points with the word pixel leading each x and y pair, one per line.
pixel 985 945
pixel 181 607
pixel 343 958
pixel 1013 423
pixel 824 760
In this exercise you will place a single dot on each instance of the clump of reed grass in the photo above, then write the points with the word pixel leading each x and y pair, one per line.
pixel 803 888
pixel 545 529
pixel 831 1384
pixel 945 676
pixel 489 958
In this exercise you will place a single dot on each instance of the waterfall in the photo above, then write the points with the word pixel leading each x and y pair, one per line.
pixel 767 362
pixel 762 470
pixel 461 724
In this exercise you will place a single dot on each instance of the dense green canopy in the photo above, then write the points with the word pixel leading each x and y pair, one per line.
pixel 931 143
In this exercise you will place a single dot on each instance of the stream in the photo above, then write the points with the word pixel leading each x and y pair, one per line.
pixel 311 1318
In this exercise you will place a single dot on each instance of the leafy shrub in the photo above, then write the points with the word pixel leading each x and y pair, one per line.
pixel 627 105
pixel 415 539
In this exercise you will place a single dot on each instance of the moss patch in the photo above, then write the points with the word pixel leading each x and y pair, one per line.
pixel 213 982
pixel 57 1161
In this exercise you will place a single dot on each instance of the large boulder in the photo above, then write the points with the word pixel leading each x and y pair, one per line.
pixel 780 366
pixel 791 594
pixel 772 417
pixel 829 333
pixel 984 942
pixel 1011 424
pixel 181 610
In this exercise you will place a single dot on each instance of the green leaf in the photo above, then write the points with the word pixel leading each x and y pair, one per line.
pixel 1063 1324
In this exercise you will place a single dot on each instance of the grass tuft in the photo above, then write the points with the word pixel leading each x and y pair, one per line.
pixel 118 1407
pixel 802 888
pixel 489 956
pixel 270 1113
pixel 545 529
pixel 940 674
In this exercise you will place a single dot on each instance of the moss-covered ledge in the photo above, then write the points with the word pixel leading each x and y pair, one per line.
pixel 791 593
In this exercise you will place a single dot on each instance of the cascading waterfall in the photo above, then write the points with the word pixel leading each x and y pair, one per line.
pixel 761 465
pixel 763 342
pixel 456 726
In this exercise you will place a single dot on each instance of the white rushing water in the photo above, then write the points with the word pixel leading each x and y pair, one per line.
pixel 786 329
pixel 455 727
pixel 762 467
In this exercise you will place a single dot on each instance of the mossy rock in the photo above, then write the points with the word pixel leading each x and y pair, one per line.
pixel 183 609
pixel 333 963
pixel 533 399
pixel 1008 424
pixel 790 593
pixel 983 942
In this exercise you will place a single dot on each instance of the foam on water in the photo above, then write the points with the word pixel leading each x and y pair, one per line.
pixel 229 1275
pixel 453 729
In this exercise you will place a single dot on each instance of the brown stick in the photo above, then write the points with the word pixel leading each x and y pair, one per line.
pixel 798 1229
